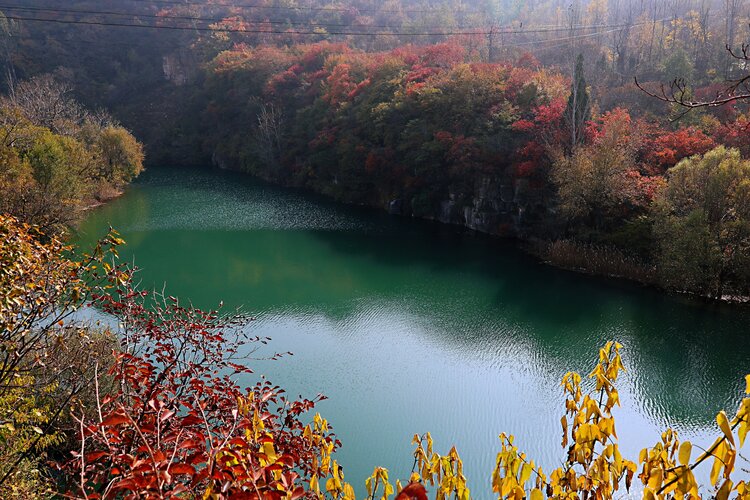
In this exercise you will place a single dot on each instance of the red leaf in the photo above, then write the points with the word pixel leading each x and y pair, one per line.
pixel 95 455
pixel 182 469
pixel 115 420
pixel 188 444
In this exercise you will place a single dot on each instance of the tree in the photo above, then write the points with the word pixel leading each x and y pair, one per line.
pixel 592 182
pixel 679 92
pixel 47 358
pixel 270 127
pixel 121 156
pixel 47 103
pixel 702 224
pixel 678 65
pixel 578 110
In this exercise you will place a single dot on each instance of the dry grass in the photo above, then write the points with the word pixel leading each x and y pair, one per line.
pixel 596 259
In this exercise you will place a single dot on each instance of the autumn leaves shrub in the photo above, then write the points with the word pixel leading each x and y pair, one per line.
pixel 46 356
pixel 702 224
pixel 158 414
pixel 179 424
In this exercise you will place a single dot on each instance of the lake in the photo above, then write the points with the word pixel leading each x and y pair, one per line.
pixel 410 326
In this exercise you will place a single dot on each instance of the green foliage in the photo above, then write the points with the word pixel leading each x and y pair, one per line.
pixel 592 182
pixel 702 224
pixel 55 162
pixel 23 415
pixel 121 156
pixel 678 65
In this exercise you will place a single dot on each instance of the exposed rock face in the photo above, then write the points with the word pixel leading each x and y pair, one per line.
pixel 179 67
pixel 496 206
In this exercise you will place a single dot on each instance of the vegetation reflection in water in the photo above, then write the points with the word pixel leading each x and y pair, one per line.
pixel 409 326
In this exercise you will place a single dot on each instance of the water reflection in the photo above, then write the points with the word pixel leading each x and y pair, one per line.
pixel 411 326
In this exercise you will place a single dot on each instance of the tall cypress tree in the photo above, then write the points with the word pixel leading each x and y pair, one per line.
pixel 578 110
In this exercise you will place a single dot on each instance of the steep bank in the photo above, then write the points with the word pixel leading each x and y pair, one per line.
pixel 417 131
pixel 426 132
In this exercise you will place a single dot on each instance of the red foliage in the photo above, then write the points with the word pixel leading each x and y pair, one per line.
pixel 414 88
pixel 518 78
pixel 444 136
pixel 314 55
pixel 443 55
pixel 179 425
pixel 725 113
pixel 528 60
pixel 666 149
pixel 641 189
pixel 735 134
pixel 525 169
pixel 358 89
pixel 281 83
pixel 523 126
pixel 325 137
pixel 420 73
pixel 339 85
pixel 549 115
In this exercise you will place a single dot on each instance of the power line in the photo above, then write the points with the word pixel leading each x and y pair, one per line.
pixel 181 18
pixel 246 30
pixel 237 30
pixel 189 3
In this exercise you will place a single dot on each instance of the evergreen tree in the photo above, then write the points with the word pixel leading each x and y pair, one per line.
pixel 578 110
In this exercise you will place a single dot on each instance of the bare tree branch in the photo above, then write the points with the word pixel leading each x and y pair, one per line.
pixel 679 93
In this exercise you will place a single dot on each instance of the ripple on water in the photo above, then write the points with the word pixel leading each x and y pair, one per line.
pixel 201 203
pixel 408 330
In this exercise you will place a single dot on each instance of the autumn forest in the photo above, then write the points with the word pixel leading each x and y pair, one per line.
pixel 607 142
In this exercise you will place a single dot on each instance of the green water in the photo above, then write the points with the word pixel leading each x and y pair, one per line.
pixel 409 326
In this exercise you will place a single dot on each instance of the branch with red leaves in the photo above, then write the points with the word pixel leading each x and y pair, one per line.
pixel 180 423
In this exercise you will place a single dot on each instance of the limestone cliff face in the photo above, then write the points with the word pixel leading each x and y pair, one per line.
pixel 496 206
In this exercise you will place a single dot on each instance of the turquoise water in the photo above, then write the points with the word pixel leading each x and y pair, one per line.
pixel 409 326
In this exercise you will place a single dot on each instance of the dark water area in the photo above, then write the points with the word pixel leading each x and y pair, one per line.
pixel 410 326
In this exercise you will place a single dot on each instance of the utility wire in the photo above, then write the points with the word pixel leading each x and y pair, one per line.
pixel 501 30
pixel 188 3
pixel 161 17
pixel 237 30
pixel 314 32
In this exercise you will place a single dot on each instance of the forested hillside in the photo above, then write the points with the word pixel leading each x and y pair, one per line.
pixel 606 136
pixel 513 118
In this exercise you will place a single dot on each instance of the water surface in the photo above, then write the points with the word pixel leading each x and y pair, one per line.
pixel 410 326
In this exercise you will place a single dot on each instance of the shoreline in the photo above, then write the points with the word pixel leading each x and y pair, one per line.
pixel 539 248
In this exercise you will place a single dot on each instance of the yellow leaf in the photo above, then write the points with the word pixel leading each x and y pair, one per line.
pixel 655 479
pixel 715 471
pixel 724 491
pixel 723 421
pixel 685 449
pixel 507 486
pixel 747 382
pixel 742 432
pixel 536 494
pixel 525 474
